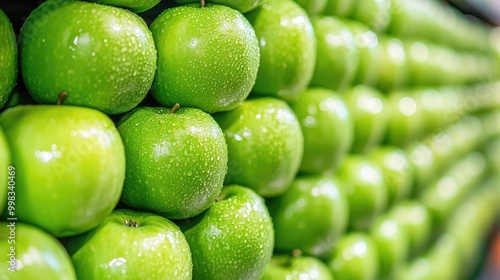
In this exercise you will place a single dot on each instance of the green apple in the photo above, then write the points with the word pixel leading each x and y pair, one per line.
pixel 433 106
pixel 337 55
pixel 340 8
pixel 397 171
pixel 5 177
pixel 104 57
pixel 393 65
pixel 416 222
pixel 374 13
pixel 265 145
pixel 208 57
pixel 315 209
pixel 176 160
pixel 422 160
pixel 313 7
pixel 287 48
pixel 243 6
pixel 69 163
pixel 130 244
pixel 28 253
pixel 405 119
pixel 137 6
pixel 8 58
pixel 233 239
pixel 354 257
pixel 327 127
pixel 286 267
pixel 371 117
pixel 392 245
pixel 365 188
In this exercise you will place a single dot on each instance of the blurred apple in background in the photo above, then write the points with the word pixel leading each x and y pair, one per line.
pixel 242 6
pixel 8 58
pixel 393 69
pixel 373 13
pixel 405 119
pixel 296 267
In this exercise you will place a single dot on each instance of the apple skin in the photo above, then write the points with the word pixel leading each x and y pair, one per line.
pixel 373 13
pixel 371 117
pixel 423 162
pixel 152 248
pixel 365 189
pixel 37 253
pixel 337 55
pixel 315 209
pixel 243 6
pixel 313 7
pixel 78 165
pixel 137 6
pixel 5 161
pixel 286 267
pixel 104 57
pixel 265 145
pixel 327 127
pixel 354 257
pixel 8 59
pixel 287 49
pixel 343 9
pixel 397 171
pixel 405 119
pixel 176 161
pixel 233 239
pixel 215 79
pixel 393 64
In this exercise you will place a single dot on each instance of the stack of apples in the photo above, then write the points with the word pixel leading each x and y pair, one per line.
pixel 247 139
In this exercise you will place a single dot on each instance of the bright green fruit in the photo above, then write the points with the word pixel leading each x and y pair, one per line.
pixel 104 57
pixel 405 119
pixel 132 245
pixel 365 189
pixel 340 8
pixel 70 166
pixel 397 171
pixel 8 59
pixel 315 209
pixel 393 72
pixel 30 253
pixel 207 57
pixel 392 246
pixel 137 6
pixel 337 56
pixel 313 7
pixel 374 13
pixel 287 47
pixel 244 6
pixel 416 221
pixel 285 267
pixel 4 176
pixel 176 160
pixel 370 114
pixel 327 127
pixel 233 239
pixel 423 162
pixel 265 145
pixel 354 258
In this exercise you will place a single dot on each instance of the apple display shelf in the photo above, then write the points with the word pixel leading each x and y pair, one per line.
pixel 251 139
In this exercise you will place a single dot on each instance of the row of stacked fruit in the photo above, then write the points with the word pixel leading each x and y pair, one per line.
pixel 252 139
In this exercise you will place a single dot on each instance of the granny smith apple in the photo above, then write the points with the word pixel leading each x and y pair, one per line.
pixel 5 177
pixel 370 114
pixel 69 163
pixel 315 209
pixel 393 66
pixel 287 48
pixel 208 57
pixel 176 160
pixel 313 7
pixel 29 252
pixel 8 58
pixel 397 171
pixel 343 9
pixel 354 257
pixel 327 127
pixel 374 13
pixel 130 244
pixel 416 221
pixel 433 105
pixel 137 6
pixel 405 119
pixel 243 6
pixel 104 57
pixel 422 160
pixel 337 55
pixel 365 188
pixel 265 145
pixel 295 268
pixel 233 239
pixel 392 245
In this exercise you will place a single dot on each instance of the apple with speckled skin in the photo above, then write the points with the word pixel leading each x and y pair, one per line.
pixel 287 47
pixel 265 145
pixel 78 165
pixel 288 267
pixel 208 57
pixel 176 160
pixel 130 244
pixel 137 6
pixel 243 6
pixel 104 57
pixel 233 239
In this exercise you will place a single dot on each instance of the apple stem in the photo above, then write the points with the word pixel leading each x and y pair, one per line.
pixel 62 96
pixel 202 3
pixel 131 223
pixel 296 253
pixel 175 108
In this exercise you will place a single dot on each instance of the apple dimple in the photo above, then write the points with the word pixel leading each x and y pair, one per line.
pixel 131 223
